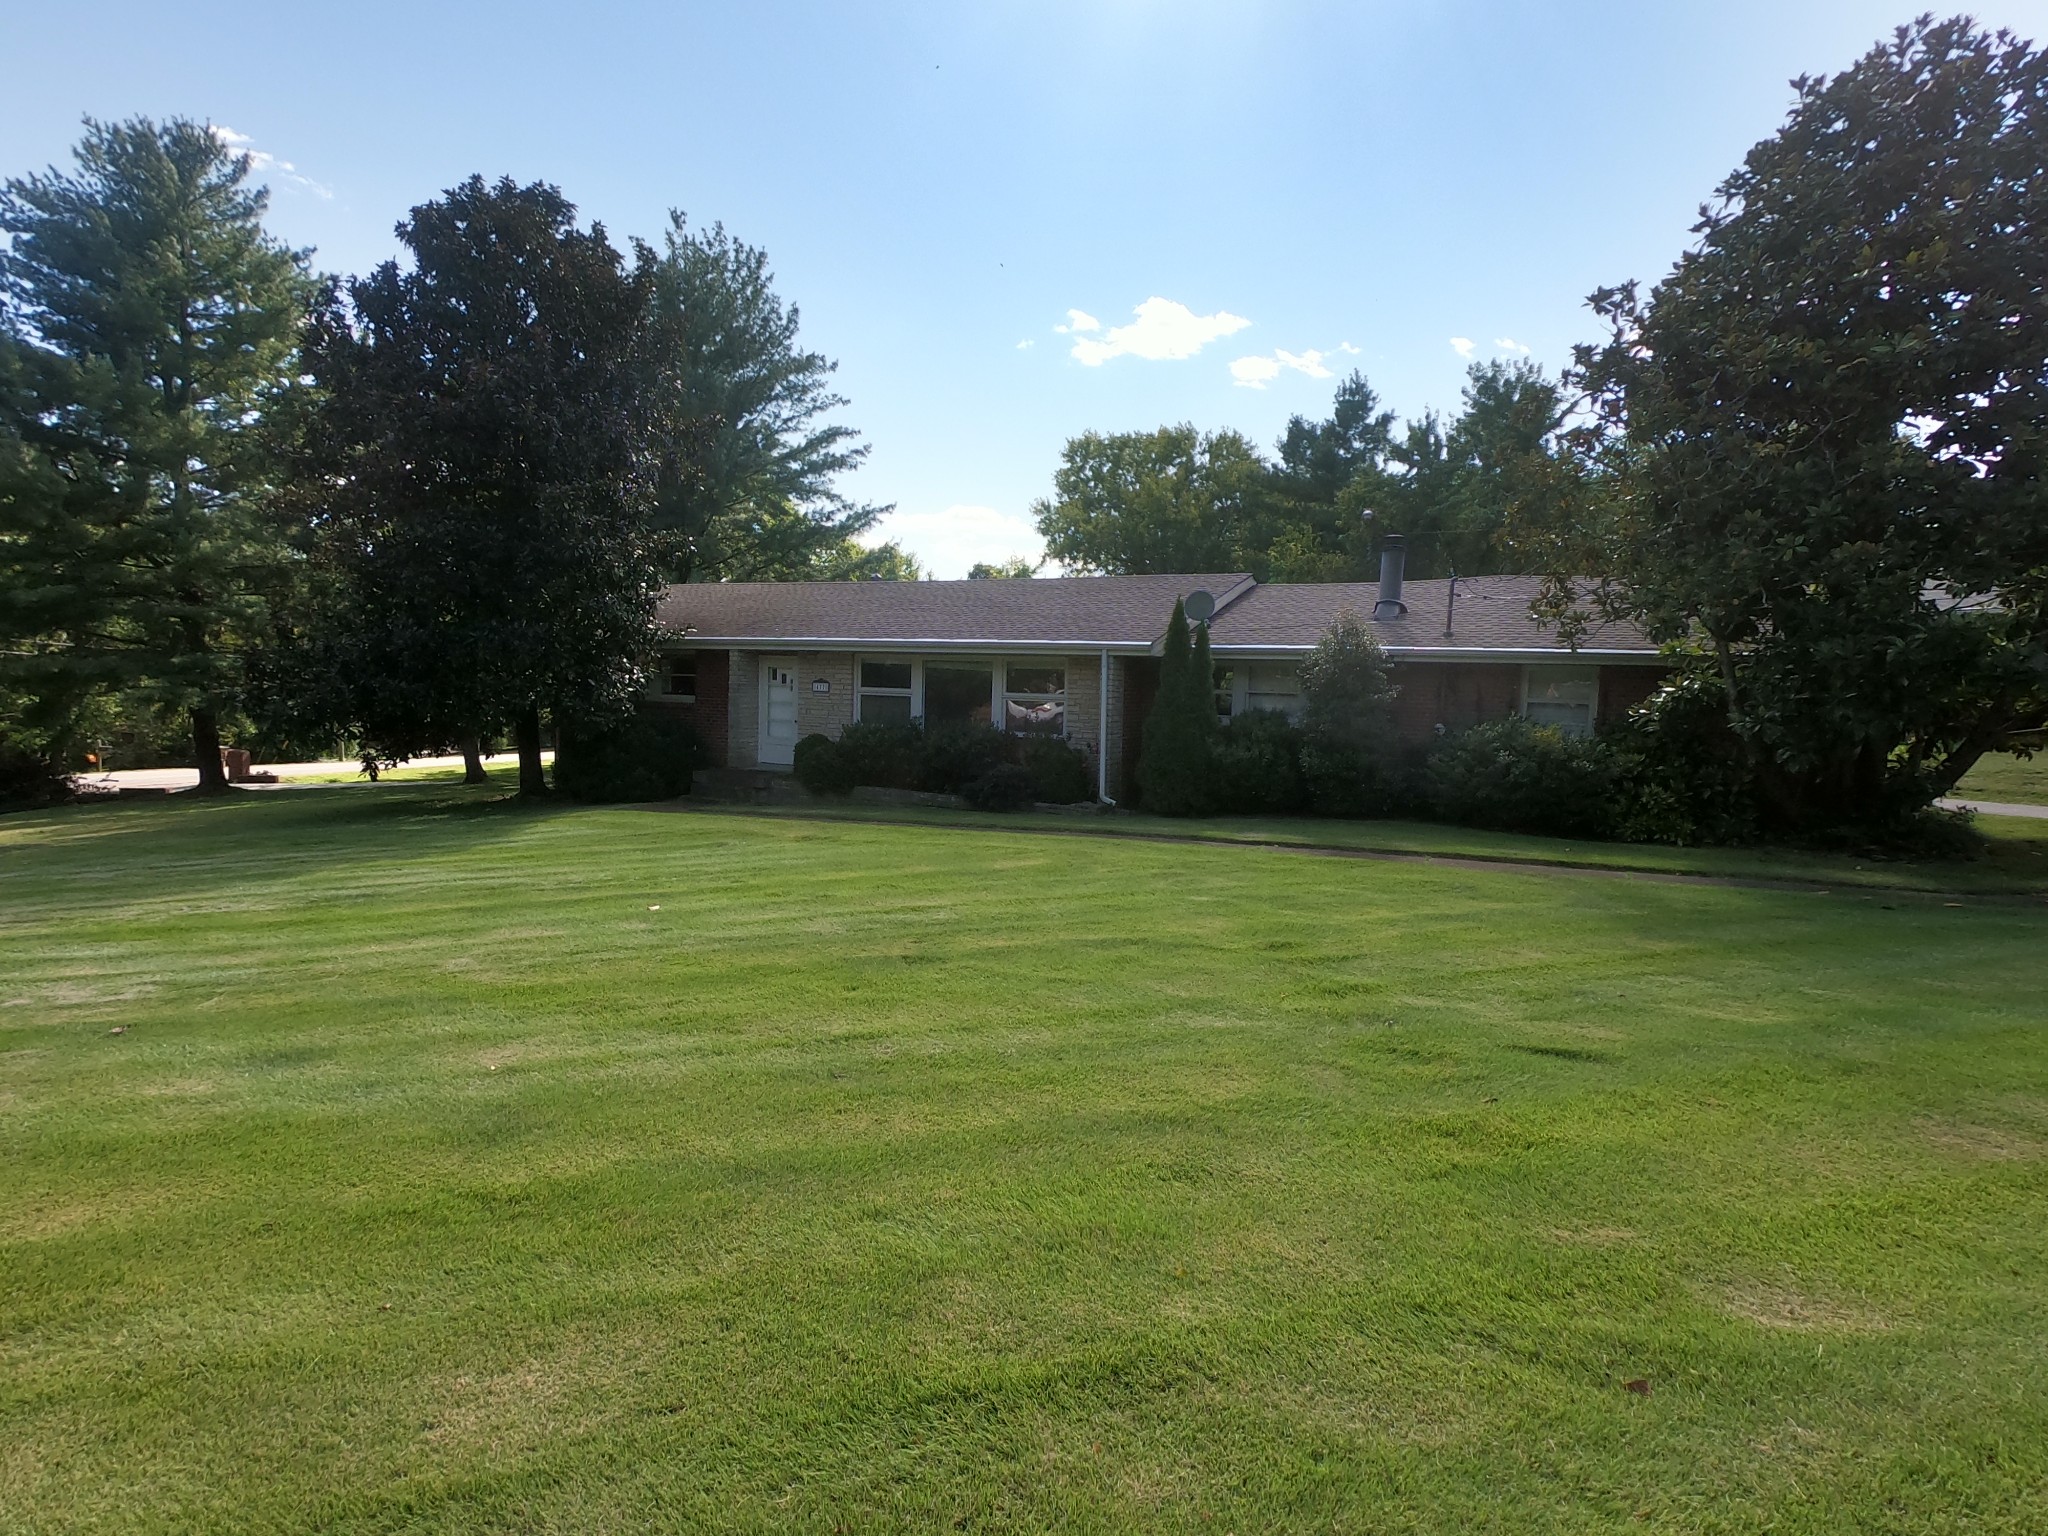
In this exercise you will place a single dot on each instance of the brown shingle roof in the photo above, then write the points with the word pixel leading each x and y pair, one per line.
pixel 1117 612
pixel 1060 611
pixel 1492 614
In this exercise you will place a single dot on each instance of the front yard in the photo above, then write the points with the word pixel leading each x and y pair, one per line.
pixel 397 1159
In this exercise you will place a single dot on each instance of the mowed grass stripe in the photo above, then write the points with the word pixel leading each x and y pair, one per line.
pixel 885 1179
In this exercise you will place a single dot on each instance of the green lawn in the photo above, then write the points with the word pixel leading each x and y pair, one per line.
pixel 2002 776
pixel 466 1167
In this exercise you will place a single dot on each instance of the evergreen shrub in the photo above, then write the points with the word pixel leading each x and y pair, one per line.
pixel 1514 776
pixel 648 756
pixel 1257 764
pixel 1060 771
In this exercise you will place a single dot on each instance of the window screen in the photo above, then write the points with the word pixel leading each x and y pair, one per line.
pixel 1035 699
pixel 1563 697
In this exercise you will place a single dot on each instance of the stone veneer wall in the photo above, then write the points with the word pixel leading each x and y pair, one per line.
pixel 823 713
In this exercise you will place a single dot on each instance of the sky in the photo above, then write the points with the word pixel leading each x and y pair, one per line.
pixel 1011 223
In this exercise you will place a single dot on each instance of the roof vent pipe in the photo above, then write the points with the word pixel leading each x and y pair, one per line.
pixel 1393 561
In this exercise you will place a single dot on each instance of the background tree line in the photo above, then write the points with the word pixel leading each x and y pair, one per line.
pixel 1177 499
pixel 419 508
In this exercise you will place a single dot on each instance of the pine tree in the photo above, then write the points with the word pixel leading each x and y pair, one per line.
pixel 148 329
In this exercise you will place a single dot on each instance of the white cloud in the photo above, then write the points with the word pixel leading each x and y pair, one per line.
pixel 1026 344
pixel 1077 320
pixel 1347 349
pixel 1257 372
pixel 949 542
pixel 1509 344
pixel 1163 331
pixel 261 161
pixel 1462 345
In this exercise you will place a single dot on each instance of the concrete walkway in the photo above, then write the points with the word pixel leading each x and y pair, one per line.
pixel 1994 808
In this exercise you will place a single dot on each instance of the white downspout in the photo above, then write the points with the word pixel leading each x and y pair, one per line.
pixel 1102 735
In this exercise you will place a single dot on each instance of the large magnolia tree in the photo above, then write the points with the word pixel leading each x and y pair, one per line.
pixel 1821 437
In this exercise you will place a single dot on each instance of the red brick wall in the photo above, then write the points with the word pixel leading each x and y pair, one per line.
pixel 707 716
pixel 1622 688
pixel 1453 695
pixel 711 716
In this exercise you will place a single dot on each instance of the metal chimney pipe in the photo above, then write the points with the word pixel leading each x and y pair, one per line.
pixel 1393 561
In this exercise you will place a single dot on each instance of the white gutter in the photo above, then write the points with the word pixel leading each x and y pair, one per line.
pixel 1102 735
pixel 1449 653
pixel 780 643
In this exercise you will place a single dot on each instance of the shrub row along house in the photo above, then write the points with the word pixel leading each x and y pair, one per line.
pixel 757 666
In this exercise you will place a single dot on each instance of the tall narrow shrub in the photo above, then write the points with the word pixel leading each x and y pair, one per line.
pixel 1174 772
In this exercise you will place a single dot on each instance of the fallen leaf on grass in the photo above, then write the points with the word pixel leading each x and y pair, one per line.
pixel 118 1029
pixel 1639 1386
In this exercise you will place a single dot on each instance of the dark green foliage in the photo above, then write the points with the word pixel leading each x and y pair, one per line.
pixel 29 779
pixel 147 336
pixel 478 469
pixel 1175 776
pixel 1513 776
pixel 1258 766
pixel 1060 771
pixel 1682 774
pixel 953 756
pixel 1348 752
pixel 1005 787
pixel 647 756
pixel 1831 419
pixel 821 767
pixel 949 759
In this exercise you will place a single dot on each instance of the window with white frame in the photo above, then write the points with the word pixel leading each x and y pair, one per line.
pixel 886 691
pixel 1035 698
pixel 676 677
pixel 1273 685
pixel 1565 697
pixel 1224 683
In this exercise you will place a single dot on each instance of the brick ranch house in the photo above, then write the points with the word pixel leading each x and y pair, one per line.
pixel 756 666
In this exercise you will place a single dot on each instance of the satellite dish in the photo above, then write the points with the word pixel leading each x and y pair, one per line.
pixel 1199 606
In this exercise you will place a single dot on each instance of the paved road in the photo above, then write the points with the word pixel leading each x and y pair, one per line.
pixel 1993 808
pixel 188 778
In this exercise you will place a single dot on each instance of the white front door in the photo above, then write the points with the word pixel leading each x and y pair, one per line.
pixel 778 710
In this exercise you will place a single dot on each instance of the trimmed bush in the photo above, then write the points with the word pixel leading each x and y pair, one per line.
pixel 954 756
pixel 1258 766
pixel 1517 777
pixel 821 767
pixel 1060 771
pixel 1348 756
pixel 648 756
pixel 881 753
pixel 1005 787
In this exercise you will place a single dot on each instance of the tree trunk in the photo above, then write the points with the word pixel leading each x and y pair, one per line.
pixel 213 773
pixel 532 778
pixel 473 761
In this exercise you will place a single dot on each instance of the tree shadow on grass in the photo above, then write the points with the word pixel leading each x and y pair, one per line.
pixel 193 846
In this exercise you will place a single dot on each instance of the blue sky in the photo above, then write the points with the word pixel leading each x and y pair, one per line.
pixel 1262 194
